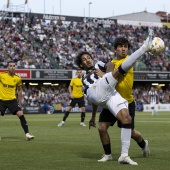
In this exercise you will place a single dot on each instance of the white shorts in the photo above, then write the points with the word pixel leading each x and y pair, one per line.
pixel 103 94
pixel 153 104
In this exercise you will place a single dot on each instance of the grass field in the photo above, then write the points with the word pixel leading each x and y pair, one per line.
pixel 73 147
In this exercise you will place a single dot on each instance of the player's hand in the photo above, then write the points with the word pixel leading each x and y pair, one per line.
pixel 92 123
pixel 72 97
pixel 99 72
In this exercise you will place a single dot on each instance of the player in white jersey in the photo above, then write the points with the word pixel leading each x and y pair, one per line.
pixel 101 91
pixel 153 100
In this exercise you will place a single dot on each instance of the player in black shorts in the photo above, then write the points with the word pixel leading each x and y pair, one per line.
pixel 9 84
pixel 77 97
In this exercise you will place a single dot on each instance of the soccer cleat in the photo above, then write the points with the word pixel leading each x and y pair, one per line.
pixel 106 158
pixel 145 150
pixel 147 45
pixel 126 160
pixel 61 124
pixel 29 136
pixel 82 124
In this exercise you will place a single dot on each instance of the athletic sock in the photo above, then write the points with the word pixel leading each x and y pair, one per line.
pixel 24 123
pixel 107 149
pixel 142 144
pixel 82 116
pixel 131 60
pixel 125 140
pixel 65 116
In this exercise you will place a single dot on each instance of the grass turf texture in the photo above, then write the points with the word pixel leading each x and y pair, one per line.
pixel 73 147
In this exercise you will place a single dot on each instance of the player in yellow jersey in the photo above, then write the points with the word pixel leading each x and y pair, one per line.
pixel 124 87
pixel 77 97
pixel 10 83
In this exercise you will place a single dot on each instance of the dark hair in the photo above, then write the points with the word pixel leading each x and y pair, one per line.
pixel 79 69
pixel 121 41
pixel 10 62
pixel 78 58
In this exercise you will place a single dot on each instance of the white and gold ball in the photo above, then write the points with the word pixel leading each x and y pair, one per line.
pixel 158 46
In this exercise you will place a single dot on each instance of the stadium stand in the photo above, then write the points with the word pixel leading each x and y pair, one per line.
pixel 53 45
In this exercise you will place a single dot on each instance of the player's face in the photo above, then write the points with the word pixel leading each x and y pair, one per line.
pixel 79 73
pixel 121 51
pixel 152 89
pixel 11 68
pixel 86 62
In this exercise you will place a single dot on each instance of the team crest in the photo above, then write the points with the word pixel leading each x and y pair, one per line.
pixel 94 87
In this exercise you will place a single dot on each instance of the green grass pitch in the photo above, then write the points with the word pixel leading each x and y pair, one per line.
pixel 73 147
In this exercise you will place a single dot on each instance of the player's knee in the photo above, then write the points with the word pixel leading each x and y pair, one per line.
pixel 102 128
pixel 127 120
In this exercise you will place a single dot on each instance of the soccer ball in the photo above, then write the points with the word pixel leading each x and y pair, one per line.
pixel 158 46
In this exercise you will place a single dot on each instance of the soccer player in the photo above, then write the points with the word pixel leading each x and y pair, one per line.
pixel 77 97
pixel 9 84
pixel 153 100
pixel 124 87
pixel 101 91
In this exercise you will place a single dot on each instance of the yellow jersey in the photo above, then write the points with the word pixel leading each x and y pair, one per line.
pixel 125 83
pixel 8 85
pixel 77 85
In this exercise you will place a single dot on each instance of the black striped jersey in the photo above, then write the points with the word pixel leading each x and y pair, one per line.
pixel 153 96
pixel 91 77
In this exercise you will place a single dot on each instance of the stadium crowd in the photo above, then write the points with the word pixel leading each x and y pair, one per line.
pixel 43 44
pixel 38 95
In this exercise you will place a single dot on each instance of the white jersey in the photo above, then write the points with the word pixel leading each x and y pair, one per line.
pixel 91 77
pixel 101 91
pixel 153 96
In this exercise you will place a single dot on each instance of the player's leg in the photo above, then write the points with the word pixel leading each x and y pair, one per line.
pixel 143 144
pixel 136 135
pixel 24 125
pixel 106 119
pixel 81 104
pixel 66 114
pixel 119 108
pixel 152 108
pixel 156 109
pixel 15 109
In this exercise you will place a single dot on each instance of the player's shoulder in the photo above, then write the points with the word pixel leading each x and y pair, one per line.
pixel 74 78
pixel 3 72
pixel 17 76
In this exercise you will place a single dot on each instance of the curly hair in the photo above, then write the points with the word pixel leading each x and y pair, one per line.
pixel 121 41
pixel 78 58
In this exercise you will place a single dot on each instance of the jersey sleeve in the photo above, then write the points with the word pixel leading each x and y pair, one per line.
pixel 19 82
pixel 100 65
pixel 71 83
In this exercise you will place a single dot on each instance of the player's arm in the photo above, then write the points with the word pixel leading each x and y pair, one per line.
pixel 19 89
pixel 109 67
pixel 157 97
pixel 92 120
pixel 70 89
pixel 149 99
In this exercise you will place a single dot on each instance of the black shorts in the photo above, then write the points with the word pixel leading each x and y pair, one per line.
pixel 107 116
pixel 11 105
pixel 80 101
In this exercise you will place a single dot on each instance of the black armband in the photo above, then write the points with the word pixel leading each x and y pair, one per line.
pixel 121 71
